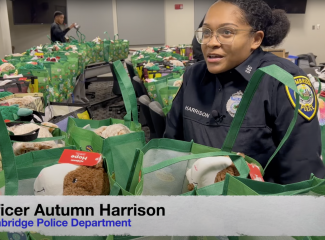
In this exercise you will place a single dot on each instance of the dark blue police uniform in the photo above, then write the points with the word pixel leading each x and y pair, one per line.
pixel 202 95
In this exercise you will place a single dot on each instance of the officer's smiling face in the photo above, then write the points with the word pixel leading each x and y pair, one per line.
pixel 222 57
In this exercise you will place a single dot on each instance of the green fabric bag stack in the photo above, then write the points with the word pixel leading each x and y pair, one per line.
pixel 116 49
pixel 91 52
pixel 60 85
pixel 99 51
pixel 118 150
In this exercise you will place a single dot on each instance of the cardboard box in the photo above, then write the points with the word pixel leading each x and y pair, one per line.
pixel 278 52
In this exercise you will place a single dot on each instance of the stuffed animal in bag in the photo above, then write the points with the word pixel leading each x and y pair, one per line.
pixel 207 171
pixel 69 179
pixel 112 130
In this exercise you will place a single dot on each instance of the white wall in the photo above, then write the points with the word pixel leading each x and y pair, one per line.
pixel 302 39
pixel 179 24
pixel 200 9
pixel 5 40
pixel 179 29
pixel 95 17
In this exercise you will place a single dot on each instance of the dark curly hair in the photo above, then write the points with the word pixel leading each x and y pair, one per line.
pixel 258 14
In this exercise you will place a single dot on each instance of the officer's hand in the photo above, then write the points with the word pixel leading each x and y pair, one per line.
pixel 72 25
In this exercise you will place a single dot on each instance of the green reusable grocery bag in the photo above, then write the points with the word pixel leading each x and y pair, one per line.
pixel 141 58
pixel 118 150
pixel 120 49
pixel 17 63
pixel 91 52
pixel 168 94
pixel 106 50
pixel 83 49
pixel 165 54
pixel 21 171
pixel 7 57
pixel 154 88
pixel 60 85
pixel 179 57
pixel 37 236
pixel 76 66
pixel 245 187
pixel 14 235
pixel 124 51
pixel 116 49
pixel 277 73
pixel 73 60
pixel 7 73
pixel 163 172
pixel 43 81
pixel 162 164
pixel 99 52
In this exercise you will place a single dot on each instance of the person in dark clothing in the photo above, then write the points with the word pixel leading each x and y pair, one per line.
pixel 197 51
pixel 231 45
pixel 57 35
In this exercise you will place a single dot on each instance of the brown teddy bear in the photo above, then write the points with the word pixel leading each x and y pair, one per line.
pixel 232 170
pixel 70 179
pixel 205 170
pixel 90 181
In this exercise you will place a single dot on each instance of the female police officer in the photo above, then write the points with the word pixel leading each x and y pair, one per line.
pixel 205 105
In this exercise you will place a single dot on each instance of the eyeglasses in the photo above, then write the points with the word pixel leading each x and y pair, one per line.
pixel 225 35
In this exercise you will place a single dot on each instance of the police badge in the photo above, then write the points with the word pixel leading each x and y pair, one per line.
pixel 307 94
pixel 233 103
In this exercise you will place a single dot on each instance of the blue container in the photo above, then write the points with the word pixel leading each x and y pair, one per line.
pixel 294 59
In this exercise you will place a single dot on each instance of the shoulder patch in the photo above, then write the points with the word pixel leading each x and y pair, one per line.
pixel 308 101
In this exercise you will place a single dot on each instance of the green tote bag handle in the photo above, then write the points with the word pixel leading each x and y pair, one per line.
pixel 8 160
pixel 128 94
pixel 49 38
pixel 106 33
pixel 81 37
pixel 243 167
pixel 72 38
pixel 277 73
